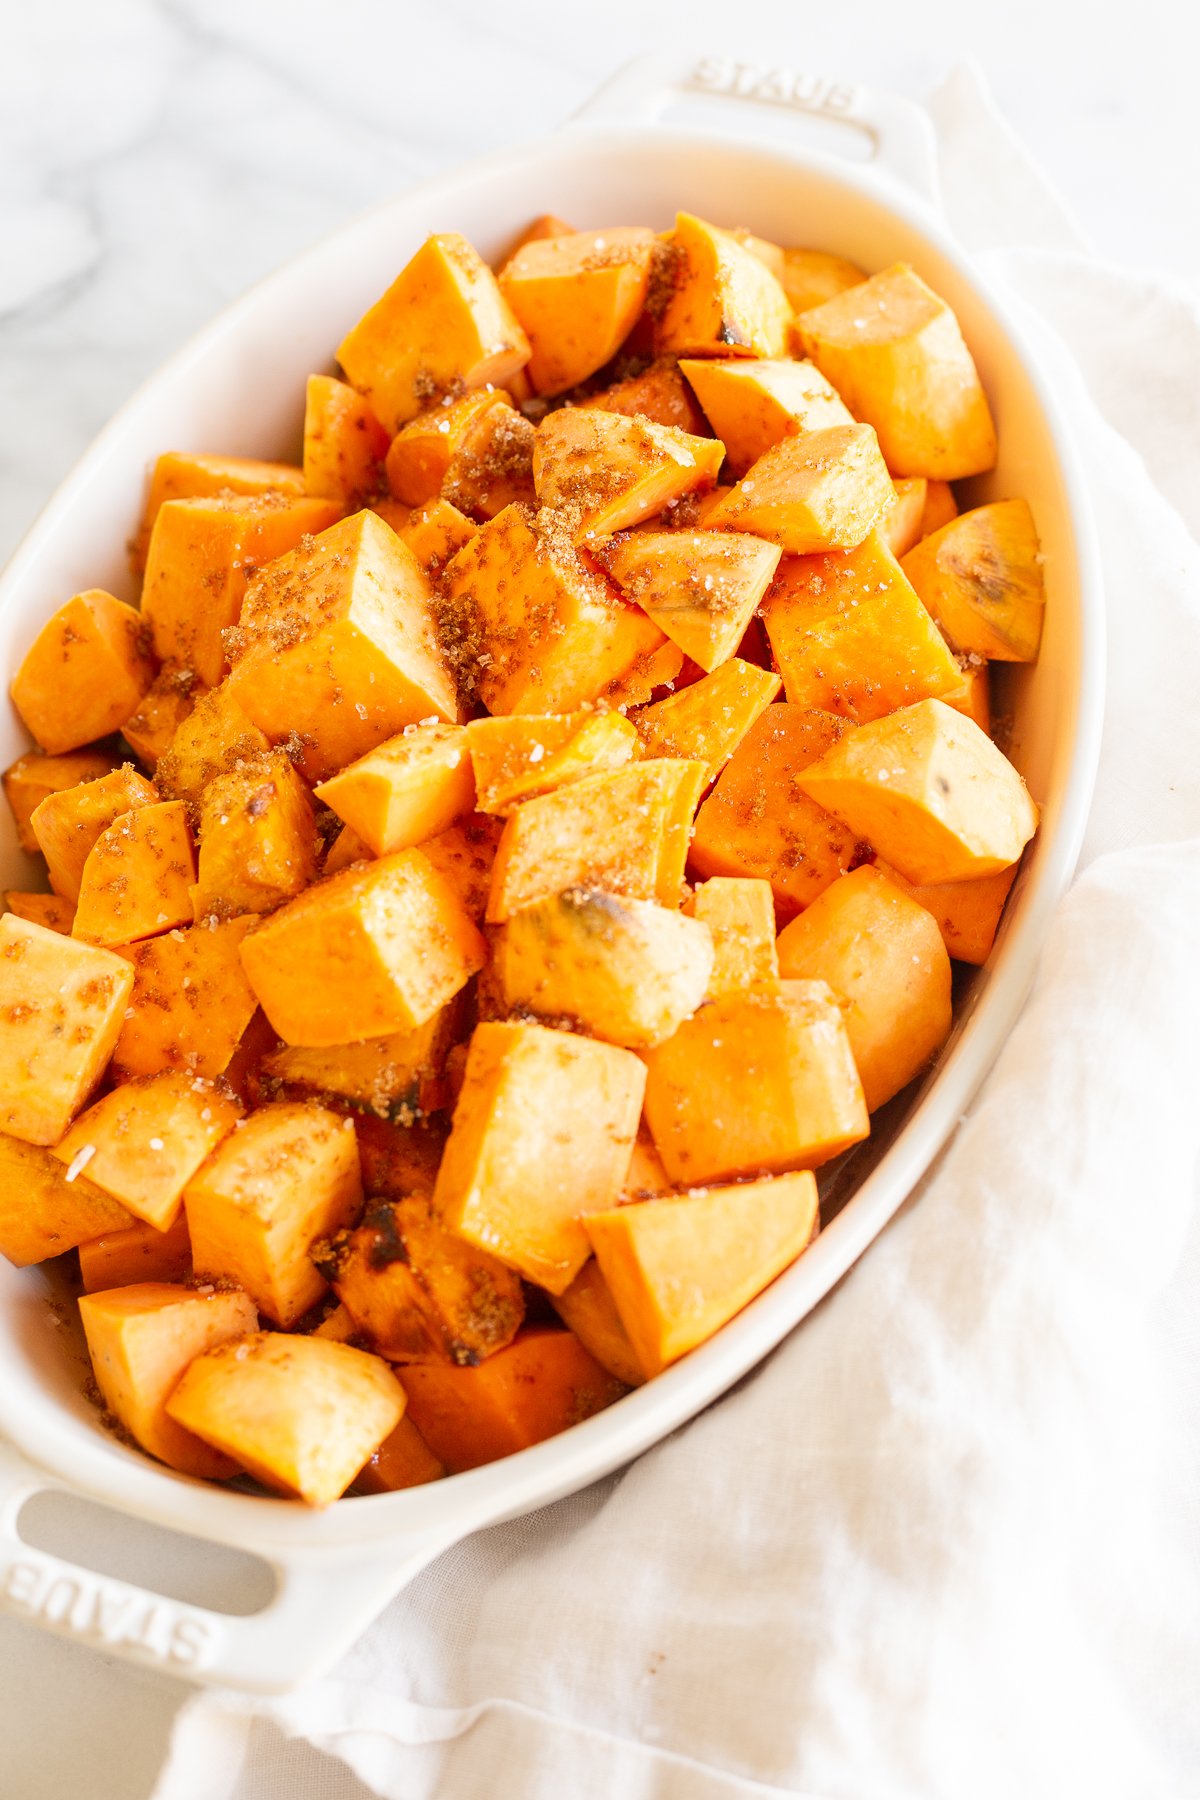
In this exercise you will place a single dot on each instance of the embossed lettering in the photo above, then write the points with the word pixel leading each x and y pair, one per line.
pixel 191 1642
pixel 778 86
pixel 22 1581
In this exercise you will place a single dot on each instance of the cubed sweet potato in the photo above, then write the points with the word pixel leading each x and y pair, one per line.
pixel 493 466
pixel 417 1292
pixel 896 355
pixel 813 276
pixel 344 444
pixel 900 526
pixel 143 1142
pixel 758 1082
pixel 768 253
pixel 375 949
pixel 681 1268
pixel 299 1413
pixel 137 879
pixel 395 1077
pixel 442 326
pixel 216 737
pixel 929 791
pixel 43 1212
pixel 512 1180
pixel 645 677
pixel 981 578
pixel 723 300
pixel 883 956
pixel 752 404
pixel 740 915
pixel 190 1003
pixel 625 831
pixel 405 790
pixel 967 913
pixel 530 628
pixel 258 839
pixel 603 472
pixel 465 856
pixel 940 507
pixel 33 777
pixel 659 392
pixel 823 490
pixel 587 1308
pixel 141 1339
pixel 706 721
pixel 136 1253
pixel 190 475
pixel 286 1178
pixel 68 822
pixel 336 648
pixel 576 298
pixel 645 1177
pixel 403 1460
pixel 518 756
pixel 422 452
pixel 84 673
pixel 435 533
pixel 625 970
pixel 973 696
pixel 50 910
pixel 61 1008
pixel 542 1383
pixel 164 706
pixel 701 587
pixel 759 820
pixel 850 636
pixel 202 556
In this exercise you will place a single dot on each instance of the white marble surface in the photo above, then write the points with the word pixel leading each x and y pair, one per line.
pixel 156 158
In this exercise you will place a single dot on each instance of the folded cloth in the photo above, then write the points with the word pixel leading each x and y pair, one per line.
pixel 943 1543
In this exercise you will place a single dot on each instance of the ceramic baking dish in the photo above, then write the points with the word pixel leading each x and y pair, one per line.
pixel 239 387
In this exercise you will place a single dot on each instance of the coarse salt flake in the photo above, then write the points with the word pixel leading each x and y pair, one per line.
pixel 80 1161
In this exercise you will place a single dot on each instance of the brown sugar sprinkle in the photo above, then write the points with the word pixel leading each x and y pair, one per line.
pixel 666 268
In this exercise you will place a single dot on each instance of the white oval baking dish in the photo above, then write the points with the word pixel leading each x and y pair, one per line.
pixel 238 386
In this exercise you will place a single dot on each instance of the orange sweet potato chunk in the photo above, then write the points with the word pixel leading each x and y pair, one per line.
pixel 435 533
pixel 258 839
pixel 940 507
pixel 61 1007
pixel 823 490
pixel 967 913
pixel 191 1001
pixel 336 648
pixel 405 790
pixel 396 1077
pixel 723 300
pixel 493 466
pixel 929 791
pixel 646 676
pixel 136 1253
pixel 442 325
pixel 344 444
pixel 883 956
pixel 544 1382
pixel 708 720
pixel 973 696
pixel 530 628
pixel 286 1178
pixel 811 277
pixel 465 857
pixel 740 915
pixel 850 636
pixel 701 587
pixel 587 1308
pixel 137 879
pixel 422 452
pixel 214 738
pixel 202 556
pixel 895 353
pixel 190 475
pixel 167 702
pixel 758 1082
pixel 659 393
pixel 752 404
pixel 603 472
pixel 759 821
pixel 42 1213
pixel 981 578
pixel 375 949
pixel 50 910
pixel 522 755
pixel 403 1460
pixel 512 1181
pixel 900 526
pixel 84 673
pixel 625 831
pixel 141 1339
pixel 626 970
pixel 299 1413
pixel 576 298
pixel 681 1268
pixel 143 1142
pixel 69 822
pixel 33 777
pixel 417 1293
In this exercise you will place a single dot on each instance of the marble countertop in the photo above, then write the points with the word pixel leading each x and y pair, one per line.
pixel 155 158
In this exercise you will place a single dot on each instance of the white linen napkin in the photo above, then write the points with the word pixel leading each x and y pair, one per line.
pixel 944 1543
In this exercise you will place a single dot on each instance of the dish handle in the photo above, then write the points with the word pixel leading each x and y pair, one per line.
pixel 900 132
pixel 322 1602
